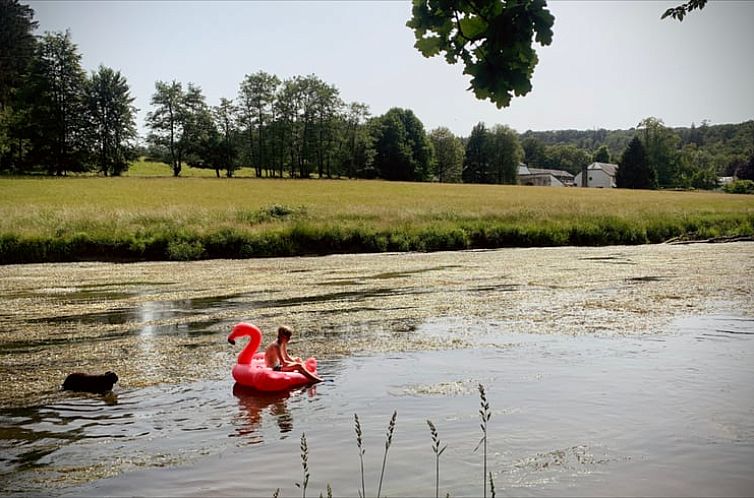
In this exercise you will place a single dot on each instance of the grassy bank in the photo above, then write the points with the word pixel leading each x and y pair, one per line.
pixel 135 218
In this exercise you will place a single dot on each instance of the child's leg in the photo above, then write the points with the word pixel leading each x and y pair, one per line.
pixel 300 368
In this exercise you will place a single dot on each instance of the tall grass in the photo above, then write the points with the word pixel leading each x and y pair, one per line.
pixel 438 452
pixel 388 442
pixel 484 415
pixel 65 219
pixel 304 464
pixel 360 445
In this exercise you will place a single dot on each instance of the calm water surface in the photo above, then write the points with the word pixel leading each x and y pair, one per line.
pixel 594 387
pixel 669 414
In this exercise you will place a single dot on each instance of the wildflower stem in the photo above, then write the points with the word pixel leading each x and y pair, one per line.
pixel 388 442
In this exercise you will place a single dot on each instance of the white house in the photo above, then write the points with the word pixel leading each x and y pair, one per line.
pixel 600 175
pixel 544 177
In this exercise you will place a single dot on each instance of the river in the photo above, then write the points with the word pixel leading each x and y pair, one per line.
pixel 609 371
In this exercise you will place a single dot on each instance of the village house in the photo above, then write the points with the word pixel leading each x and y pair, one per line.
pixel 544 177
pixel 600 175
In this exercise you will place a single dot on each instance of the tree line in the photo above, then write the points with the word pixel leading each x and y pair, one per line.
pixel 681 157
pixel 56 119
pixel 53 115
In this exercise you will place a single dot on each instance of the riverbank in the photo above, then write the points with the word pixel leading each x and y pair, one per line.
pixel 141 219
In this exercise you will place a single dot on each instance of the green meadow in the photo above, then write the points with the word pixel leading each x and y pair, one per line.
pixel 146 216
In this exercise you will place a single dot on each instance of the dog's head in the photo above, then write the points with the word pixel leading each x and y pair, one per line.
pixel 111 376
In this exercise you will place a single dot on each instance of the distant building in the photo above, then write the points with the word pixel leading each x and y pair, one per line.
pixel 600 175
pixel 544 177
pixel 724 180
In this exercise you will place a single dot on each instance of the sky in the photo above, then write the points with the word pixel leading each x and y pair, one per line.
pixel 611 64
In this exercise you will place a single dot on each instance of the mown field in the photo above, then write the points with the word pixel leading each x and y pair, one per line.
pixel 157 218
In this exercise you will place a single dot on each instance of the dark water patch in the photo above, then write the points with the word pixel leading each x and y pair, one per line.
pixel 409 273
pixel 33 345
pixel 355 309
pixel 612 260
pixel 497 288
pixel 195 328
pixel 335 297
pixel 154 310
pixel 104 291
pixel 650 278
pixel 735 332
pixel 340 282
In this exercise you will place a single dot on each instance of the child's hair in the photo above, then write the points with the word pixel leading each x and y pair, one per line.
pixel 285 332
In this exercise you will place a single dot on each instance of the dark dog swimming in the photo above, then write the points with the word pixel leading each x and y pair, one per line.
pixel 90 383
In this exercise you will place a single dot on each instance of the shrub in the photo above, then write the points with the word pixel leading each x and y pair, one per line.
pixel 184 250
pixel 740 187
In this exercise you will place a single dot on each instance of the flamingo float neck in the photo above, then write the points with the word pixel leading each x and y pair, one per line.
pixel 255 339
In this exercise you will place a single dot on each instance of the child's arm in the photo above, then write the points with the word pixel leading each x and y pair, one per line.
pixel 286 358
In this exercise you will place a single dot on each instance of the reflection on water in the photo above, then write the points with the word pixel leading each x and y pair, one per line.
pixel 254 405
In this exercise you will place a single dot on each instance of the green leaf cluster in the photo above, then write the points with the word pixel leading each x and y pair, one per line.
pixel 492 38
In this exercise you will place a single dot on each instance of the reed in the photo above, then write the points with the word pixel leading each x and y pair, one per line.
pixel 484 415
pixel 438 452
pixel 360 445
pixel 304 464
pixel 388 442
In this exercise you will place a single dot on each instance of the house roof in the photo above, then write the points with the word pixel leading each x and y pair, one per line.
pixel 558 173
pixel 608 168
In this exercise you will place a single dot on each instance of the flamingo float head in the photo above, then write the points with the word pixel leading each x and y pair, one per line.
pixel 243 330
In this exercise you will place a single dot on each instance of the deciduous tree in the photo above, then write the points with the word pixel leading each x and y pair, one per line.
pixel 661 145
pixel 225 121
pixel 476 164
pixel 58 118
pixel 402 151
pixel 256 98
pixel 505 153
pixel 357 144
pixel 601 155
pixel 448 153
pixel 17 46
pixel 111 110
pixel 178 120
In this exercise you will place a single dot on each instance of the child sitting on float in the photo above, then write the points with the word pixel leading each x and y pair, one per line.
pixel 277 358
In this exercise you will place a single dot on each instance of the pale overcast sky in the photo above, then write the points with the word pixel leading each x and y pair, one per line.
pixel 610 65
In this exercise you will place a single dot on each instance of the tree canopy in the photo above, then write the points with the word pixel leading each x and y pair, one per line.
pixel 634 170
pixel 17 45
pixel 448 153
pixel 112 127
pixel 402 151
pixel 492 155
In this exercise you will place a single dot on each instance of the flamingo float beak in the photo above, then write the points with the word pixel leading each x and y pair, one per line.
pixel 231 341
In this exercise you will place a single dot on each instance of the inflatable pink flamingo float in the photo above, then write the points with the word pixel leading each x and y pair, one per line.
pixel 251 371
